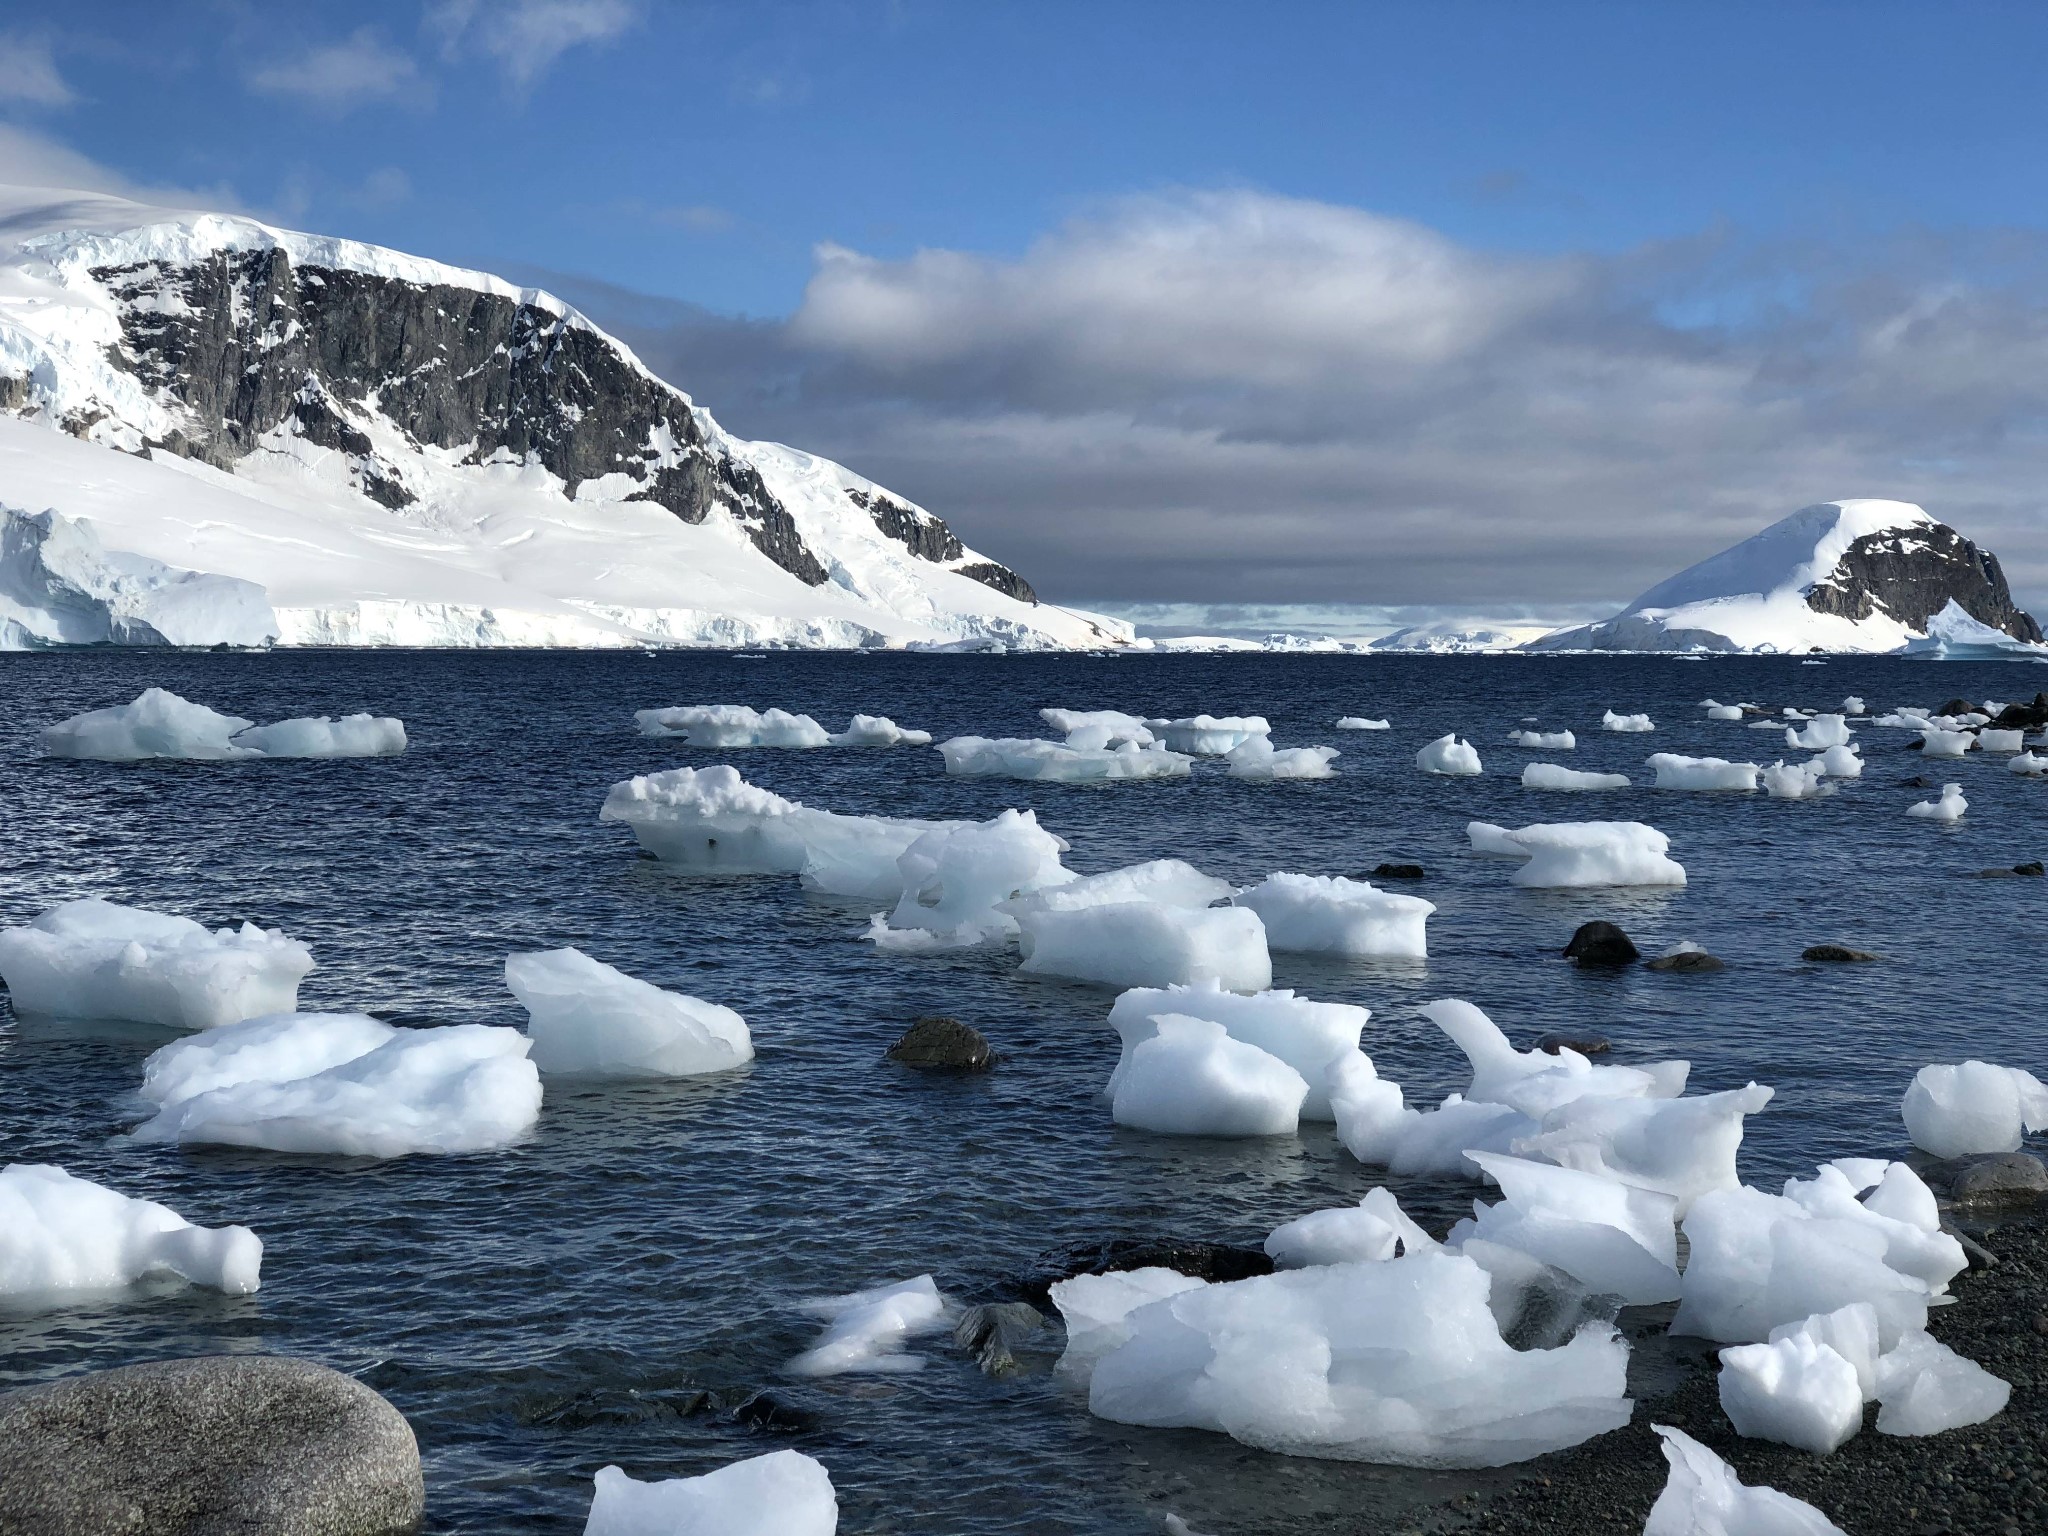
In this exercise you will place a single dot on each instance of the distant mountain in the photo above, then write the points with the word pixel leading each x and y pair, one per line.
pixel 401 452
pixel 1869 576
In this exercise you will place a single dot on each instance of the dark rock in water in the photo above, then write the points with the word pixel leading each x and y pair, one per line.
pixel 1687 960
pixel 2033 867
pixel 1957 707
pixel 1920 781
pixel 1396 872
pixel 1601 943
pixel 2023 716
pixel 1214 1262
pixel 991 1333
pixel 1834 954
pixel 1991 1180
pixel 1586 1044
pixel 255 1445
pixel 938 1044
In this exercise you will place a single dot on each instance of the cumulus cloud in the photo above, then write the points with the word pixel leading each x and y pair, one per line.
pixel 1236 397
pixel 336 77
pixel 527 36
pixel 29 75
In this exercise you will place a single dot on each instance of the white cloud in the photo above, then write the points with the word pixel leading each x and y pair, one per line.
pixel 336 77
pixel 31 159
pixel 527 36
pixel 29 75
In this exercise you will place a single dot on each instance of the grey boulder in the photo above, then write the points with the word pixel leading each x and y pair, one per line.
pixel 256 1445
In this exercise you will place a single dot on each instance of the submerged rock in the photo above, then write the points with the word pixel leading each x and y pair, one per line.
pixel 256 1445
pixel 991 1333
pixel 1396 872
pixel 1214 1262
pixel 1687 960
pixel 1585 1043
pixel 938 1044
pixel 1834 954
pixel 1601 943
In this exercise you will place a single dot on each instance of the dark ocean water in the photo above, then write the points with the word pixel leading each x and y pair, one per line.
pixel 616 1287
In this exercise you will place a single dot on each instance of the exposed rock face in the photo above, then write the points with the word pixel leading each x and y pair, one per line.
pixel 256 1445
pixel 1914 573
pixel 938 1044
pixel 1601 943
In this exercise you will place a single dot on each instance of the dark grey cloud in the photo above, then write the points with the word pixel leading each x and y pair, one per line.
pixel 1233 397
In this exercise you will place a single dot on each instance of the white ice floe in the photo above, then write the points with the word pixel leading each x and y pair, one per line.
pixel 344 1084
pixel 1536 1082
pixel 1363 723
pixel 1328 914
pixel 1370 1232
pixel 1703 1497
pixel 1581 853
pixel 867 1329
pixel 93 959
pixel 1448 755
pixel 1973 1106
pixel 1208 735
pixel 1014 757
pixel 784 1493
pixel 1095 1309
pixel 1102 727
pixel 1797 781
pixel 1924 1387
pixel 1989 740
pixel 732 725
pixel 1545 741
pixel 1149 925
pixel 1613 1239
pixel 1716 710
pixel 63 1234
pixel 1399 1362
pixel 159 724
pixel 1678 772
pixel 956 878
pixel 1681 1147
pixel 1940 743
pixel 1613 722
pixel 587 1019
pixel 1949 807
pixel 879 731
pixel 1819 733
pixel 1853 706
pixel 1318 1040
pixel 1795 1390
pixel 1188 1077
pixel 1258 758
pixel 2028 763
pixel 1841 763
pixel 1557 776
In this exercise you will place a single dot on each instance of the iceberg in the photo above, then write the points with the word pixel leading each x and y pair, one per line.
pixel 1566 854
pixel 1545 741
pixel 1448 755
pixel 1363 723
pixel 93 959
pixel 1820 733
pixel 723 726
pixel 1936 742
pixel 1103 727
pixel 1923 1388
pixel 1681 1147
pixel 1613 722
pixel 160 725
pixel 1328 914
pixel 1973 1107
pixel 1258 758
pixel 1797 781
pixel 1613 1239
pixel 956 879
pixel 1319 1041
pixel 1949 808
pixel 59 1234
pixel 1795 1390
pixel 1059 762
pixel 1703 1497
pixel 1208 735
pixel 1188 1077
pixel 1557 776
pixel 587 1019
pixel 1370 1232
pixel 1711 773
pixel 1150 925
pixel 784 1493
pixel 867 1329
pixel 1096 1309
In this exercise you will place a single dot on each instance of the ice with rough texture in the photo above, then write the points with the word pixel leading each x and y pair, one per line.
pixel 1536 1082
pixel 1564 854
pixel 1819 733
pixel 160 725
pixel 1797 781
pixel 1681 1147
pixel 1330 915
pixel 2027 763
pixel 1924 1387
pixel 784 1493
pixel 1841 763
pixel 319 736
pixel 956 878
pixel 1973 1106
pixel 1363 723
pixel 59 1233
pixel 1711 773
pixel 1989 740
pixel 1703 1497
pixel 866 1329
pixel 1318 1040
pixel 1545 741
pixel 1615 1240
pixel 587 1019
pixel 1850 1332
pixel 93 959
pixel 1718 711
pixel 1370 1111
pixel 1149 925
pixel 1258 758
pixel 1948 808
pixel 1936 742
pixel 1795 1390
pixel 343 1084
pixel 732 725
pixel 1104 727
pixel 1450 756
pixel 1370 1232
pixel 1557 776
pixel 1208 735
pixel 1613 722
pixel 1190 1078
pixel 1059 762
pixel 1096 1309
pixel 1398 1362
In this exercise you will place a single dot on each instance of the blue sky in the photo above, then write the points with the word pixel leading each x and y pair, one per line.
pixel 1760 191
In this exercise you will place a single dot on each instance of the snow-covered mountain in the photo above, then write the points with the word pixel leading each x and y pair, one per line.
pixel 400 452
pixel 1866 575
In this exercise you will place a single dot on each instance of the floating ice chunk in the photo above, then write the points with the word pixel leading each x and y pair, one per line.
pixel 1841 763
pixel 1209 735
pixel 1819 733
pixel 1536 1082
pixel 2029 764
pixel 1952 1111
pixel 287 1084
pixel 1441 1140
pixel 1613 1239
pixel 1059 762
pixel 1146 944
pixel 1362 723
pixel 1989 740
pixel 1545 741
pixel 1400 1362
pixel 59 1233
pixel 1901 1210
pixel 92 959
pixel 1257 758
pixel 1680 1147
pixel 1677 772
pixel 1096 1309
pixel 587 1019
pixel 1448 755
pixel 732 725
pixel 1557 776
pixel 1850 1332
pixel 1318 1040
pixel 1588 853
pixel 1370 1111
pixel 784 1493
pixel 868 1328
pixel 350 736
pixel 1328 914
pixel 1940 743
pixel 1374 1230
pixel 1703 1497
pixel 159 724
pixel 1924 1387
pixel 1719 711
pixel 1613 722
pixel 1105 727
pixel 879 731
pixel 955 879
pixel 1797 781
pixel 1949 807
pixel 1189 1078
pixel 1795 1390
pixel 1493 841
pixel 1852 705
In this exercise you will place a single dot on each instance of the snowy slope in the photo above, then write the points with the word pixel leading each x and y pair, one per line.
pixel 401 452
pixel 1847 576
